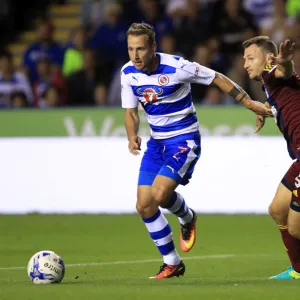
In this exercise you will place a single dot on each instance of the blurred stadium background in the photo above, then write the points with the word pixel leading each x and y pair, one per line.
pixel 63 148
pixel 68 52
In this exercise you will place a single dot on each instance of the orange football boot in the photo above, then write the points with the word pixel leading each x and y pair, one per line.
pixel 188 234
pixel 168 271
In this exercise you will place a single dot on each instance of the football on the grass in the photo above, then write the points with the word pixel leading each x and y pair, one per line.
pixel 46 267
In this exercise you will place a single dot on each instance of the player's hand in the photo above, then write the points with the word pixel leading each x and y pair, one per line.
pixel 260 122
pixel 286 51
pixel 134 145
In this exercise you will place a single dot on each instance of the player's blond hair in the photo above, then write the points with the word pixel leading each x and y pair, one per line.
pixel 137 29
pixel 263 42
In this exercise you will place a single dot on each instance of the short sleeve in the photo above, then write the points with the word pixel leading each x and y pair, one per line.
pixel 129 100
pixel 192 72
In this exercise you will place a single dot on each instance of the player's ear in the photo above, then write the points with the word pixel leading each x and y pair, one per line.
pixel 154 47
pixel 270 58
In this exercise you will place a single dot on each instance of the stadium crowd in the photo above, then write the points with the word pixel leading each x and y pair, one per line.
pixel 85 71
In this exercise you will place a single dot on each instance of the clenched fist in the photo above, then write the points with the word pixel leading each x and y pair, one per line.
pixel 134 145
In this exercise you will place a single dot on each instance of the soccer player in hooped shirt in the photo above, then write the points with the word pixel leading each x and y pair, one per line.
pixel 161 84
pixel 282 86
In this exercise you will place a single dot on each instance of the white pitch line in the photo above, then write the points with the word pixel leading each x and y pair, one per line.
pixel 129 262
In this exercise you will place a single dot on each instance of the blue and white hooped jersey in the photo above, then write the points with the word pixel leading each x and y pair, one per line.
pixel 165 94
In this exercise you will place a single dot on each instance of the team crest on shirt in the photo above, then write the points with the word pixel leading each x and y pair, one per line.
pixel 150 94
pixel 163 79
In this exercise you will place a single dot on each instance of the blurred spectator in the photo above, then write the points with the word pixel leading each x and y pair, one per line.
pixel 294 31
pixel 232 25
pixel 167 44
pixel 82 84
pixel 193 28
pixel 73 58
pixel 207 31
pixel 50 97
pixel 203 56
pixel 92 13
pixel 131 10
pixel 293 8
pixel 18 100
pixel 280 25
pixel 48 77
pixel 184 8
pixel 261 10
pixel 114 94
pixel 100 94
pixel 213 96
pixel 110 38
pixel 152 14
pixel 11 81
pixel 219 61
pixel 6 22
pixel 177 9
pixel 44 46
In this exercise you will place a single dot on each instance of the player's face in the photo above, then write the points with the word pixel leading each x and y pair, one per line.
pixel 141 53
pixel 255 61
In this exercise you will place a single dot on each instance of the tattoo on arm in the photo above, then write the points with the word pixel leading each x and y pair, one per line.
pixel 238 93
pixel 234 92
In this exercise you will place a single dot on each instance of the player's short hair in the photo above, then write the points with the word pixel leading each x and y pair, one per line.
pixel 263 42
pixel 141 29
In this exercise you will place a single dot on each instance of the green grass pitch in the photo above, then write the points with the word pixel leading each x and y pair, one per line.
pixel 232 259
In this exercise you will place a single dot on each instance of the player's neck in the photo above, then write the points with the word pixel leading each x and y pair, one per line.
pixel 153 66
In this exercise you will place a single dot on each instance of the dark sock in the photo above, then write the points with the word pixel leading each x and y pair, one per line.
pixel 292 246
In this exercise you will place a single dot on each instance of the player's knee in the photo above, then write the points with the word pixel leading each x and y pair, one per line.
pixel 295 232
pixel 160 196
pixel 142 208
pixel 278 215
pixel 145 208
pixel 272 210
pixel 275 212
pixel 139 208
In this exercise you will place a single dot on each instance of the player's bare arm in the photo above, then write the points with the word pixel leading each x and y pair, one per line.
pixel 235 91
pixel 132 123
pixel 284 60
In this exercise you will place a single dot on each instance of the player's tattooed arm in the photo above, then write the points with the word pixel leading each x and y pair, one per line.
pixel 235 91
pixel 238 94
pixel 132 124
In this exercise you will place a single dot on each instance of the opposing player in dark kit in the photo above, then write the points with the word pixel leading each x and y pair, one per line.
pixel 275 69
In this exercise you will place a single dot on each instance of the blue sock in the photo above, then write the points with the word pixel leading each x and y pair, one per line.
pixel 178 207
pixel 161 234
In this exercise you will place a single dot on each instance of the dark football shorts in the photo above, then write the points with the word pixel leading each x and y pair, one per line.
pixel 291 180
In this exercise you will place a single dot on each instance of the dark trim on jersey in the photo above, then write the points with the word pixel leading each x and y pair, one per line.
pixel 281 124
pixel 295 206
pixel 287 184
